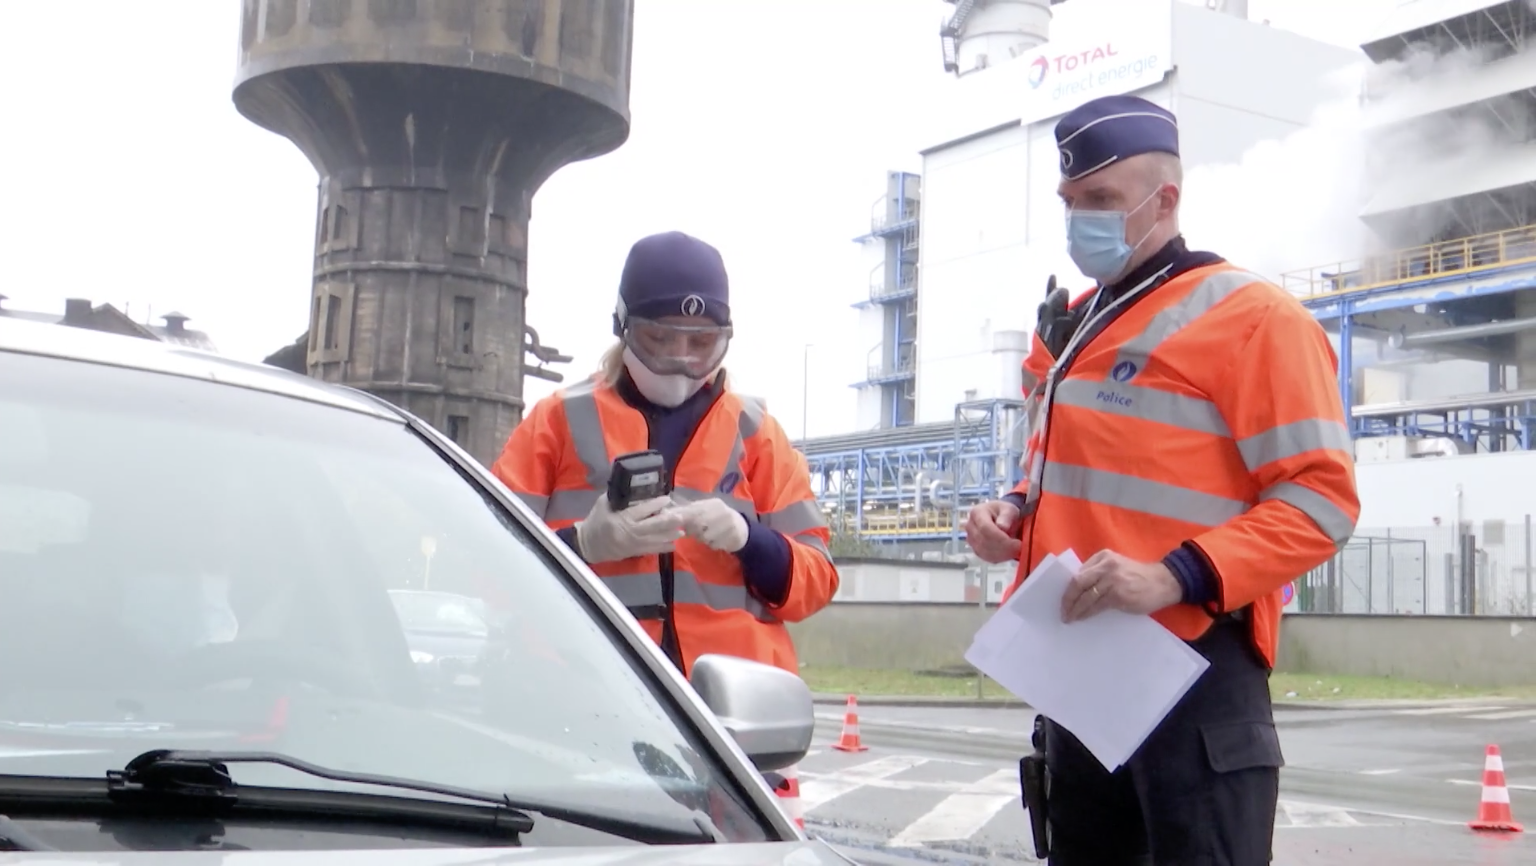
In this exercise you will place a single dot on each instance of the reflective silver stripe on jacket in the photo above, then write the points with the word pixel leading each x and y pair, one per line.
pixel 1140 495
pixel 643 590
pixel 1329 518
pixel 1190 413
pixel 584 426
pixel 1172 319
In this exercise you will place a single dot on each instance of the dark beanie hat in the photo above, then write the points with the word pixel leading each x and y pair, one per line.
pixel 673 274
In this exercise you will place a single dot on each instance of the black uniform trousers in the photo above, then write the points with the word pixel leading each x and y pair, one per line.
pixel 1202 789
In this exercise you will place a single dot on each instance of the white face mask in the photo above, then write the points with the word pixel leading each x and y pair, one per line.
pixel 663 391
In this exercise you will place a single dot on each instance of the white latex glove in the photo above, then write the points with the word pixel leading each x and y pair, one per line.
pixel 649 527
pixel 713 523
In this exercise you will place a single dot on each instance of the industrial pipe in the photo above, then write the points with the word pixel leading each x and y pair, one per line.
pixel 1400 340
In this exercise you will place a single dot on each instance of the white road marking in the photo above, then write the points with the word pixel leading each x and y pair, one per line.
pixel 1505 715
pixel 1301 815
pixel 816 790
pixel 1381 771
pixel 963 814
pixel 1528 787
pixel 1450 709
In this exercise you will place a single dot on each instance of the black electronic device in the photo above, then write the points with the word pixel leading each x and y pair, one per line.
pixel 637 476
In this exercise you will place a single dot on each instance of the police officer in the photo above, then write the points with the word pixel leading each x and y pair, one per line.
pixel 1189 443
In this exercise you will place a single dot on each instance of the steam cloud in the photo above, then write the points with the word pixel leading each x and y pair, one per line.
pixel 1295 203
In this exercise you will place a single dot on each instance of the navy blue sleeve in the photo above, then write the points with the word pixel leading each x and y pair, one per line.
pixel 766 562
pixel 567 535
pixel 1196 576
pixel 1014 498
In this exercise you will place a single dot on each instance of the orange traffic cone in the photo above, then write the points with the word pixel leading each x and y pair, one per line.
pixel 849 741
pixel 789 795
pixel 1493 814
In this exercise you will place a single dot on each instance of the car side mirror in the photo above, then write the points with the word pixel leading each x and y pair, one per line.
pixel 766 709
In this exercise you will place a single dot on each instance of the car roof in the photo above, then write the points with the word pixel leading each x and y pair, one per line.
pixel 86 345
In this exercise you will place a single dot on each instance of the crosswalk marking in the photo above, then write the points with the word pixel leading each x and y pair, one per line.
pixel 817 790
pixel 1303 815
pixel 956 803
pixel 963 814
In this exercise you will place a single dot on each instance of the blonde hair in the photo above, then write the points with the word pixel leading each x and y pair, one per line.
pixel 610 368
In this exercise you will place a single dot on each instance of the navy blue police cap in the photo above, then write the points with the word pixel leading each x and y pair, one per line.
pixel 673 274
pixel 1109 129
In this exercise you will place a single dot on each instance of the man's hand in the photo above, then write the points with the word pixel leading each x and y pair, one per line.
pixel 991 530
pixel 1111 581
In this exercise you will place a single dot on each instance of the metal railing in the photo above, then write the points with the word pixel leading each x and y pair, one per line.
pixel 880 217
pixel 932 522
pixel 879 289
pixel 1485 568
pixel 892 369
pixel 1441 259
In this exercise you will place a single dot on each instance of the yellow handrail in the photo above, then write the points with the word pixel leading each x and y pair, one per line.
pixel 906 522
pixel 1441 259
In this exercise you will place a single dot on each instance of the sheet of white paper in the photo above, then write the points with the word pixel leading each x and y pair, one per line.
pixel 1110 679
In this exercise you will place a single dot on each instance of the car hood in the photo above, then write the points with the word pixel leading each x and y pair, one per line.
pixel 785 853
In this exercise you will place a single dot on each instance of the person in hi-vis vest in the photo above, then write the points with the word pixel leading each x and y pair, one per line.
pixel 748 541
pixel 1190 444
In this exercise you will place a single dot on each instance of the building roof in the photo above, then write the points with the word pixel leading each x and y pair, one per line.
pixel 81 313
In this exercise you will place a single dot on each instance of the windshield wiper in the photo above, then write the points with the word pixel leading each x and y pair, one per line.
pixel 202 778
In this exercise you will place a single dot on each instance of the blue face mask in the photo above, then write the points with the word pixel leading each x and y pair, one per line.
pixel 1096 241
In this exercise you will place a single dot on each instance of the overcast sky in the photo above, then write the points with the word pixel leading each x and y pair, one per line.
pixel 763 126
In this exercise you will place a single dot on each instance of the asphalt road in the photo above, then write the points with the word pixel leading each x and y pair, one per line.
pixel 1361 787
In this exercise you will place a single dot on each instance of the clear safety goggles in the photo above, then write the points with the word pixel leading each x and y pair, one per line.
pixel 694 351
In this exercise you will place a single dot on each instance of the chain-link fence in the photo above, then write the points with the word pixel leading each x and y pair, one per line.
pixel 1478 568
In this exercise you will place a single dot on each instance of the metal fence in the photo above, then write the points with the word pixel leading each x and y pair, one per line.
pixel 1477 568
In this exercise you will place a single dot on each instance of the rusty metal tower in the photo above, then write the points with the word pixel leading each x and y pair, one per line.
pixel 432 123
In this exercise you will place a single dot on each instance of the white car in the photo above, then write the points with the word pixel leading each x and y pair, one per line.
pixel 201 654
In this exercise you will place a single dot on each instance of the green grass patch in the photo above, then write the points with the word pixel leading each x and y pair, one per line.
pixel 1292 686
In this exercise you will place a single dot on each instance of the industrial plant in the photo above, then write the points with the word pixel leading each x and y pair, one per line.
pixel 1434 320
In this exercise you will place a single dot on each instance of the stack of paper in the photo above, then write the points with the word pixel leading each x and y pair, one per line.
pixel 1109 679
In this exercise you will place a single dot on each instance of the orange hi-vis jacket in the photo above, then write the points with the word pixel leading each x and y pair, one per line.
pixel 1207 411
pixel 559 458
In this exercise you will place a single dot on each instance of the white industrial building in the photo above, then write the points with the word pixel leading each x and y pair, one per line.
pixel 1439 336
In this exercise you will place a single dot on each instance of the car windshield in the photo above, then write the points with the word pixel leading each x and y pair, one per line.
pixel 438 612
pixel 198 566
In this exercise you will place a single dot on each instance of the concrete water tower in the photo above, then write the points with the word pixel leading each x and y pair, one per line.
pixel 985 33
pixel 432 123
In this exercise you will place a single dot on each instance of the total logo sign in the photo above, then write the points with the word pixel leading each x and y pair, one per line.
pixel 1111 67
pixel 1067 63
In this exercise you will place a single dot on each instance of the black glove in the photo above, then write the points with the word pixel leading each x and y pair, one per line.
pixel 1057 323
